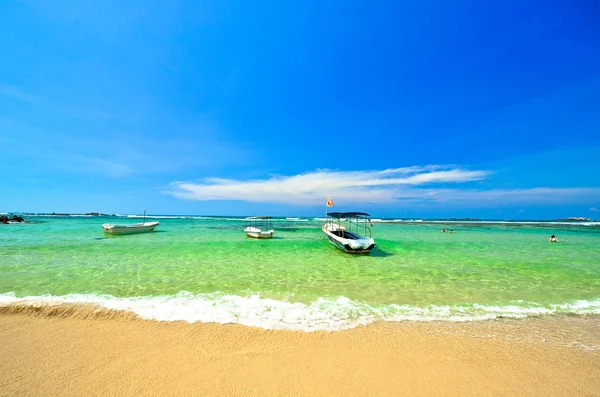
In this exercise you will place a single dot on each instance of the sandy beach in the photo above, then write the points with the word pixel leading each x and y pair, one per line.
pixel 83 351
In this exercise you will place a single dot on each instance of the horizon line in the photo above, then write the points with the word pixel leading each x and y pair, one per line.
pixel 460 219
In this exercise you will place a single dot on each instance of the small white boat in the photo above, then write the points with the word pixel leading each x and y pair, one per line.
pixel 349 231
pixel 259 227
pixel 143 227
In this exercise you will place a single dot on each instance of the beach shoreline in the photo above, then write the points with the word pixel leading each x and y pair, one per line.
pixel 77 350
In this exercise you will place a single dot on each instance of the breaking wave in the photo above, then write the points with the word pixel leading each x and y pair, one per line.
pixel 323 314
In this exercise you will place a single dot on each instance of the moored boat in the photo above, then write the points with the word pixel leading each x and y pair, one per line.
pixel 135 228
pixel 349 231
pixel 259 227
pixel 143 227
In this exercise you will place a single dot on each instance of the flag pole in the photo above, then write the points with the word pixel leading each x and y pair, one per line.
pixel 326 210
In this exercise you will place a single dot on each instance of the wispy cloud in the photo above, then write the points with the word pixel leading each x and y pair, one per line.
pixel 310 188
pixel 594 209
pixel 16 93
pixel 536 195
pixel 97 166
pixel 410 185
pixel 121 151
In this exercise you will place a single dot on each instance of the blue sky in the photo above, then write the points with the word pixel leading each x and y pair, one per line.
pixel 402 109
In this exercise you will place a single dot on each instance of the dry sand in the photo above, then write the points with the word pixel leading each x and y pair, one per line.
pixel 67 353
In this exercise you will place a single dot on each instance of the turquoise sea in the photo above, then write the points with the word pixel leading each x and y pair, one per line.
pixel 196 268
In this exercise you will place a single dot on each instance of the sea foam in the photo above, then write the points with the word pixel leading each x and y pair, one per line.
pixel 323 314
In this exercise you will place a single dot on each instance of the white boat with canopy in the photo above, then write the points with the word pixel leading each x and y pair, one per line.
pixel 349 231
pixel 259 227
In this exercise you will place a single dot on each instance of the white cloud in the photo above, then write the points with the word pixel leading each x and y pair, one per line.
pixel 310 188
pixel 593 209
pixel 381 187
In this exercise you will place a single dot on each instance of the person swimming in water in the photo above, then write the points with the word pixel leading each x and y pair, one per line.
pixel 553 239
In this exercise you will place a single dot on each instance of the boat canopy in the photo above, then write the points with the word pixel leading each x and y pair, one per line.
pixel 260 222
pixel 348 214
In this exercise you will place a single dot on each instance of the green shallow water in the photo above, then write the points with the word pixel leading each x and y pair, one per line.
pixel 413 264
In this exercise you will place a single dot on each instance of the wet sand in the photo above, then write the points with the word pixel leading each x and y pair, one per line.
pixel 75 352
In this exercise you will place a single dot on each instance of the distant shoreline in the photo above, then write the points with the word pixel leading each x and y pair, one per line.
pixel 318 218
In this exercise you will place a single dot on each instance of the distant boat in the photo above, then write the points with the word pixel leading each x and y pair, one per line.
pixel 259 227
pixel 143 227
pixel 129 229
pixel 349 231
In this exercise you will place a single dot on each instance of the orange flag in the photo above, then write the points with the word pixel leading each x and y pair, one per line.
pixel 329 202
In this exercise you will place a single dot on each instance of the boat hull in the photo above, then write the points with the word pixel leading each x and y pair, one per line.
pixel 129 229
pixel 350 246
pixel 260 235
pixel 254 232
